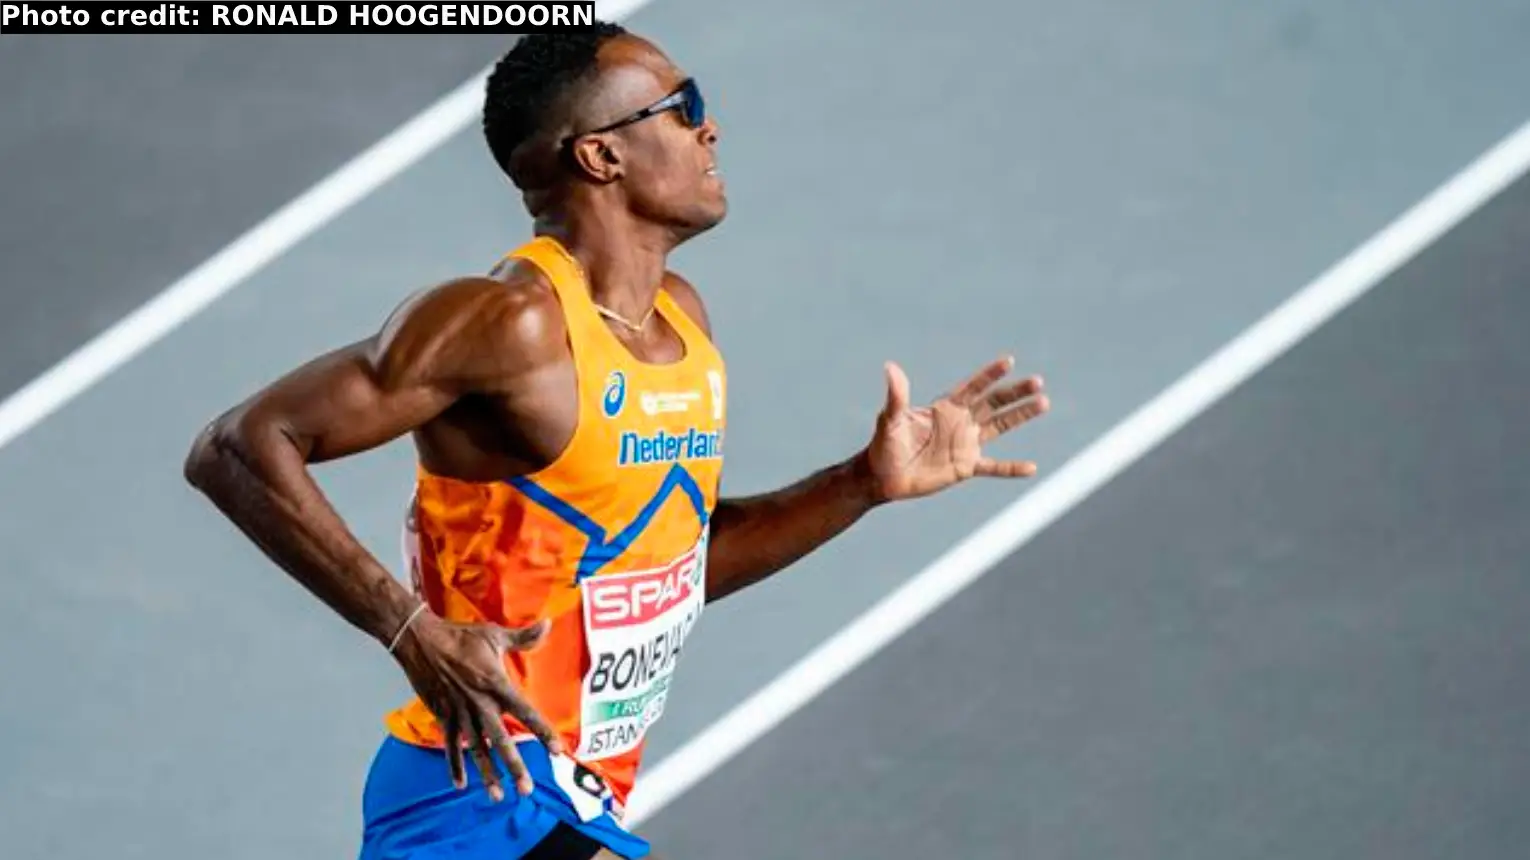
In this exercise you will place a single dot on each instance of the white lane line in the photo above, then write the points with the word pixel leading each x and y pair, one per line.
pixel 1085 473
pixel 251 252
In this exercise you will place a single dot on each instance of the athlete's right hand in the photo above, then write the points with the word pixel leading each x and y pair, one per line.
pixel 458 670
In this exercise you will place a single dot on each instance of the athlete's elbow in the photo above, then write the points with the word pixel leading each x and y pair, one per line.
pixel 233 442
pixel 194 468
pixel 209 453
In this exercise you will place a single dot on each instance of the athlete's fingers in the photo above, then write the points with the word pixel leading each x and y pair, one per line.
pixel 482 758
pixel 988 467
pixel 497 687
pixel 897 389
pixel 500 739
pixel 968 392
pixel 517 707
pixel 452 727
pixel 1009 419
pixel 996 400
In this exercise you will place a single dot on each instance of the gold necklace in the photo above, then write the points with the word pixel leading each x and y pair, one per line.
pixel 613 315
pixel 600 308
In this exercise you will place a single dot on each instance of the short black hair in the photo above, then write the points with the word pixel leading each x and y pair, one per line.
pixel 530 79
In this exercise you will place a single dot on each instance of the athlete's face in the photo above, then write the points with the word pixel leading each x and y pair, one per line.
pixel 666 162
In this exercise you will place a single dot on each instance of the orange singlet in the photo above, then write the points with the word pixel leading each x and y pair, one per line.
pixel 609 541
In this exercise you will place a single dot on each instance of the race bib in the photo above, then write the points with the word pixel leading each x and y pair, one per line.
pixel 635 625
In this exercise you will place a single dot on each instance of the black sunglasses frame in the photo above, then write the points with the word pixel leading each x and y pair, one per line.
pixel 686 98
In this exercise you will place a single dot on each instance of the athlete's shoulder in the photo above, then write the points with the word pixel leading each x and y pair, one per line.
pixel 476 329
pixel 689 300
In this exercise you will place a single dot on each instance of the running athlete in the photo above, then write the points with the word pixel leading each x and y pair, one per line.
pixel 568 412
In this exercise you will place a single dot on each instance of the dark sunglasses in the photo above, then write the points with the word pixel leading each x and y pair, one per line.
pixel 686 99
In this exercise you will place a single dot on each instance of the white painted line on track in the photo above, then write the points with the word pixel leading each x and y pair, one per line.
pixel 1084 474
pixel 257 248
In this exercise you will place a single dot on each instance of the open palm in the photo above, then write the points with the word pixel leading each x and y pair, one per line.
pixel 918 451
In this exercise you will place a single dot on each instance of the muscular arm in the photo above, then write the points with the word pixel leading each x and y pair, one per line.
pixel 754 537
pixel 252 462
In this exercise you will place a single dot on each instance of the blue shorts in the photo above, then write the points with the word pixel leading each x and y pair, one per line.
pixel 411 810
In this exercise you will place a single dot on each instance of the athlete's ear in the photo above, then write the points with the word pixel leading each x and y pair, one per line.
pixel 598 157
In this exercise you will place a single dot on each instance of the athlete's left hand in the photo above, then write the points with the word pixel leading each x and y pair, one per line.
pixel 918 451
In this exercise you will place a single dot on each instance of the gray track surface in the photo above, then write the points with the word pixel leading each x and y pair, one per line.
pixel 1295 630
pixel 128 160
pixel 1107 190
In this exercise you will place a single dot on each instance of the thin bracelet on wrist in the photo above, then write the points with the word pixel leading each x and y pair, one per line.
pixel 404 628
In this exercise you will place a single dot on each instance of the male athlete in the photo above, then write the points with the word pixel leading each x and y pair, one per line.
pixel 568 411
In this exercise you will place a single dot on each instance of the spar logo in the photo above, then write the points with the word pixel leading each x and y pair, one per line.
pixel 616 393
pixel 624 600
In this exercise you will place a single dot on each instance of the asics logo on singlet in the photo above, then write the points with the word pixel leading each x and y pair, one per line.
pixel 616 394
pixel 665 447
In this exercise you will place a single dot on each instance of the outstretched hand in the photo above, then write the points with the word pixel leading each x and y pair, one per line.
pixel 919 451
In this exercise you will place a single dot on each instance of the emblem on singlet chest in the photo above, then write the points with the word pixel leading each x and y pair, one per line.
pixel 615 396
pixel 690 416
